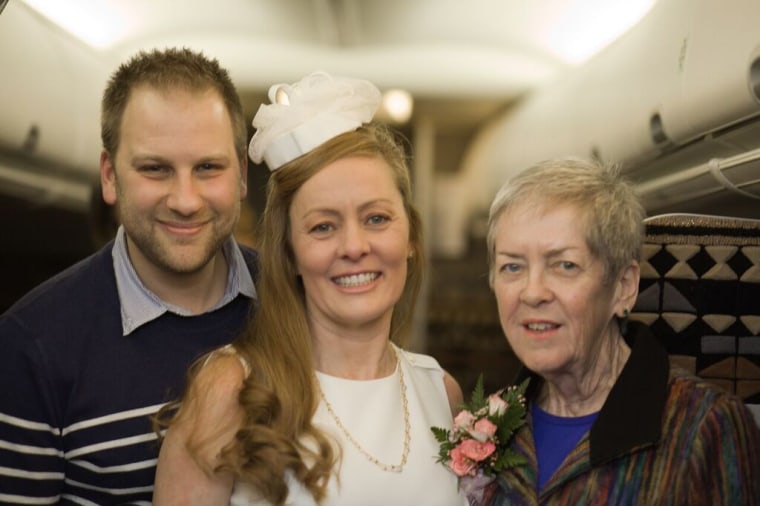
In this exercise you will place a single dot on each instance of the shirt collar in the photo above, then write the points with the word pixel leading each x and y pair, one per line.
pixel 139 305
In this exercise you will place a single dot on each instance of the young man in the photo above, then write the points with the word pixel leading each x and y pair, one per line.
pixel 88 356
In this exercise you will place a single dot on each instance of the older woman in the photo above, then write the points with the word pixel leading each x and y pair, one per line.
pixel 610 421
pixel 318 403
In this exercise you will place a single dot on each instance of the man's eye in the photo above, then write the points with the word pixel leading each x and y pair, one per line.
pixel 154 169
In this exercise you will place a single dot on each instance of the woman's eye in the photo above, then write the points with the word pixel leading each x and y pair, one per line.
pixel 378 219
pixel 510 268
pixel 321 228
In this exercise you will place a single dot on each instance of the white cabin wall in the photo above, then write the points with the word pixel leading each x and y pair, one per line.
pixel 52 82
pixel 687 60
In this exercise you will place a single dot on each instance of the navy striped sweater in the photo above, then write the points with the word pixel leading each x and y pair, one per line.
pixel 76 395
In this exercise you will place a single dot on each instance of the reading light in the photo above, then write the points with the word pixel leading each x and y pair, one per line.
pixel 398 104
pixel 97 23
pixel 590 25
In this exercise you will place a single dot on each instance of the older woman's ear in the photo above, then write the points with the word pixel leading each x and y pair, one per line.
pixel 628 289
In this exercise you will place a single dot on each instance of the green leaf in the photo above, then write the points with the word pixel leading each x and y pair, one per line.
pixel 477 400
pixel 523 387
pixel 509 458
pixel 441 434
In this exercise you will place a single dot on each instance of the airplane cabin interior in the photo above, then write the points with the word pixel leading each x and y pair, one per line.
pixel 673 97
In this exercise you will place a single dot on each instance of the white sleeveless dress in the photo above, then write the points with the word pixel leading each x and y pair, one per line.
pixel 372 413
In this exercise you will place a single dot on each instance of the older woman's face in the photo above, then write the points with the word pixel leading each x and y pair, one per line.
pixel 554 306
pixel 350 237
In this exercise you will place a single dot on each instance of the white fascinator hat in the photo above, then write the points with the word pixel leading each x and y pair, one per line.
pixel 308 113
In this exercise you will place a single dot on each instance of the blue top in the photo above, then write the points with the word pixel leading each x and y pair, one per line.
pixel 76 394
pixel 555 437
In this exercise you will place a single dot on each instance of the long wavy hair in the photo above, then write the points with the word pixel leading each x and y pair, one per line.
pixel 280 396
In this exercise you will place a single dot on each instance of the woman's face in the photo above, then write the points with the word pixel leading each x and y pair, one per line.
pixel 554 305
pixel 350 237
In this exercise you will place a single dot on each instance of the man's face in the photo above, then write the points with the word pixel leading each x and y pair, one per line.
pixel 176 179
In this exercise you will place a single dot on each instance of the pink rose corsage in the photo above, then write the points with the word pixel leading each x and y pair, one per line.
pixel 477 449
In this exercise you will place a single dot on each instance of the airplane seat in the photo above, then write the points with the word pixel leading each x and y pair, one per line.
pixel 700 294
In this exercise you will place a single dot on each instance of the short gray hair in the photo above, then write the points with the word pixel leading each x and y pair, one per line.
pixel 613 211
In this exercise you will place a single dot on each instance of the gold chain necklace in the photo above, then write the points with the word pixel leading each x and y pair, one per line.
pixel 397 468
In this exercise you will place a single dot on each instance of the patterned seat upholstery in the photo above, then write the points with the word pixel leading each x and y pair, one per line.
pixel 700 293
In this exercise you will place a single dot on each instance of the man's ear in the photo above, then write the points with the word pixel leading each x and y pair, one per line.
pixel 107 178
pixel 244 176
pixel 628 288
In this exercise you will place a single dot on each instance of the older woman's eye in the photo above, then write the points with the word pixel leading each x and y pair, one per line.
pixel 566 265
pixel 510 268
pixel 378 219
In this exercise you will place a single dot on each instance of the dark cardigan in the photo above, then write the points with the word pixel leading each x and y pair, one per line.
pixel 662 437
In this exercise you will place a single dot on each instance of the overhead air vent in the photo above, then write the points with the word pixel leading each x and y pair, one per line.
pixel 754 76
pixel 657 131
pixel 738 174
pixel 45 184
pixel 49 103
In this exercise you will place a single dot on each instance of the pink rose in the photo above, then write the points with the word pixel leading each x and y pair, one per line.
pixel 475 450
pixel 459 464
pixel 483 430
pixel 464 420
pixel 496 405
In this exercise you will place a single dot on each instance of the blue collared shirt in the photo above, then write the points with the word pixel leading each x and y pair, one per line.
pixel 139 305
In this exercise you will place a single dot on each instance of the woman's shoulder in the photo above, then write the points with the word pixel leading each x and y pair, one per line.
pixel 685 384
pixel 209 414
pixel 710 422
pixel 227 354
pixel 429 367
pixel 214 389
pixel 420 360
pixel 693 398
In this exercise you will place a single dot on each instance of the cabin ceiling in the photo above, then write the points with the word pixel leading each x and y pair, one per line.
pixel 462 61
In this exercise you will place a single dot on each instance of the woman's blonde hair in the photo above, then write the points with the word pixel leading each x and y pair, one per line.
pixel 280 396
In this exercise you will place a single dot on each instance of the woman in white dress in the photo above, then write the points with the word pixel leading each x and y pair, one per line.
pixel 317 403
